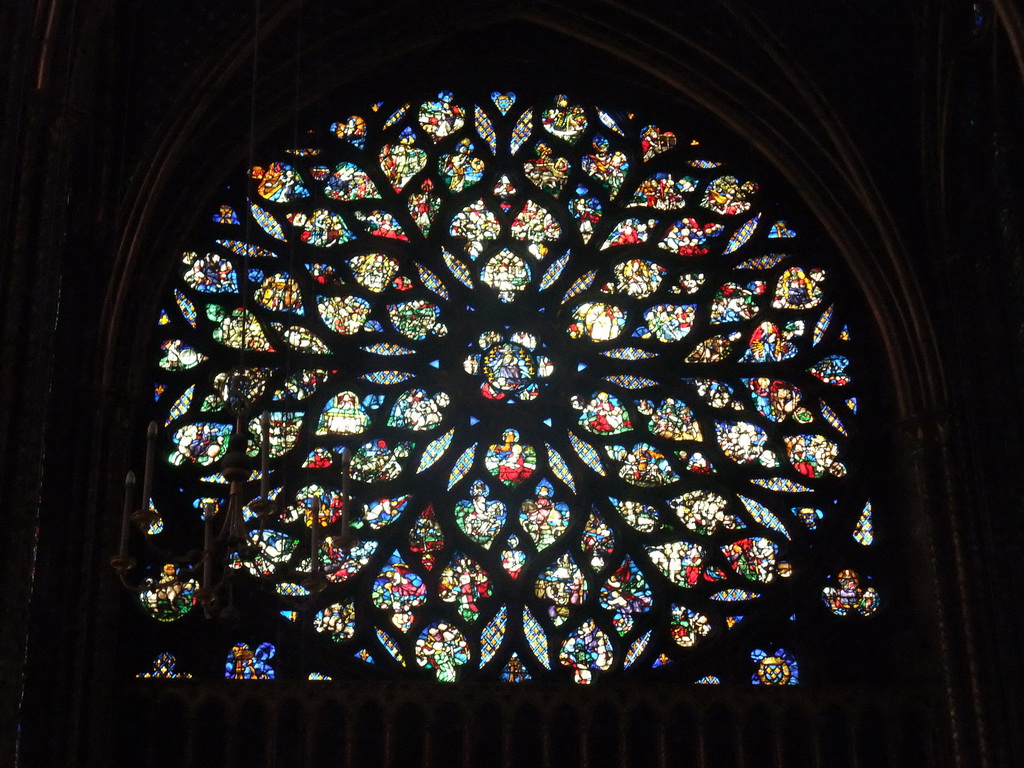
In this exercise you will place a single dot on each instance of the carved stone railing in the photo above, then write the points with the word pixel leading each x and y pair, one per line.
pixel 253 724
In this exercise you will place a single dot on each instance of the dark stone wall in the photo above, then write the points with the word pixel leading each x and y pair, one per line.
pixel 900 129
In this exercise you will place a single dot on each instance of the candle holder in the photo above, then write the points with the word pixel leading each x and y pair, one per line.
pixel 229 540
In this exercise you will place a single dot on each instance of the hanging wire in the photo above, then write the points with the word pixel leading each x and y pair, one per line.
pixel 293 265
pixel 250 181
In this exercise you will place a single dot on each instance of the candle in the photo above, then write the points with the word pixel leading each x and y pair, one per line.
pixel 314 539
pixel 147 478
pixel 129 490
pixel 346 483
pixel 265 455
pixel 207 545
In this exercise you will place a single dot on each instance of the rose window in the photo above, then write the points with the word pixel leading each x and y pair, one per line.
pixel 594 388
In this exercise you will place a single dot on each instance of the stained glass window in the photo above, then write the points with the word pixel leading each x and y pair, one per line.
pixel 599 397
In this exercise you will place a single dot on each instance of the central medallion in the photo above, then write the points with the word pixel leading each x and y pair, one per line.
pixel 509 365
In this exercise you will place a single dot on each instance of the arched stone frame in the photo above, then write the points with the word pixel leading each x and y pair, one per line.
pixel 719 95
